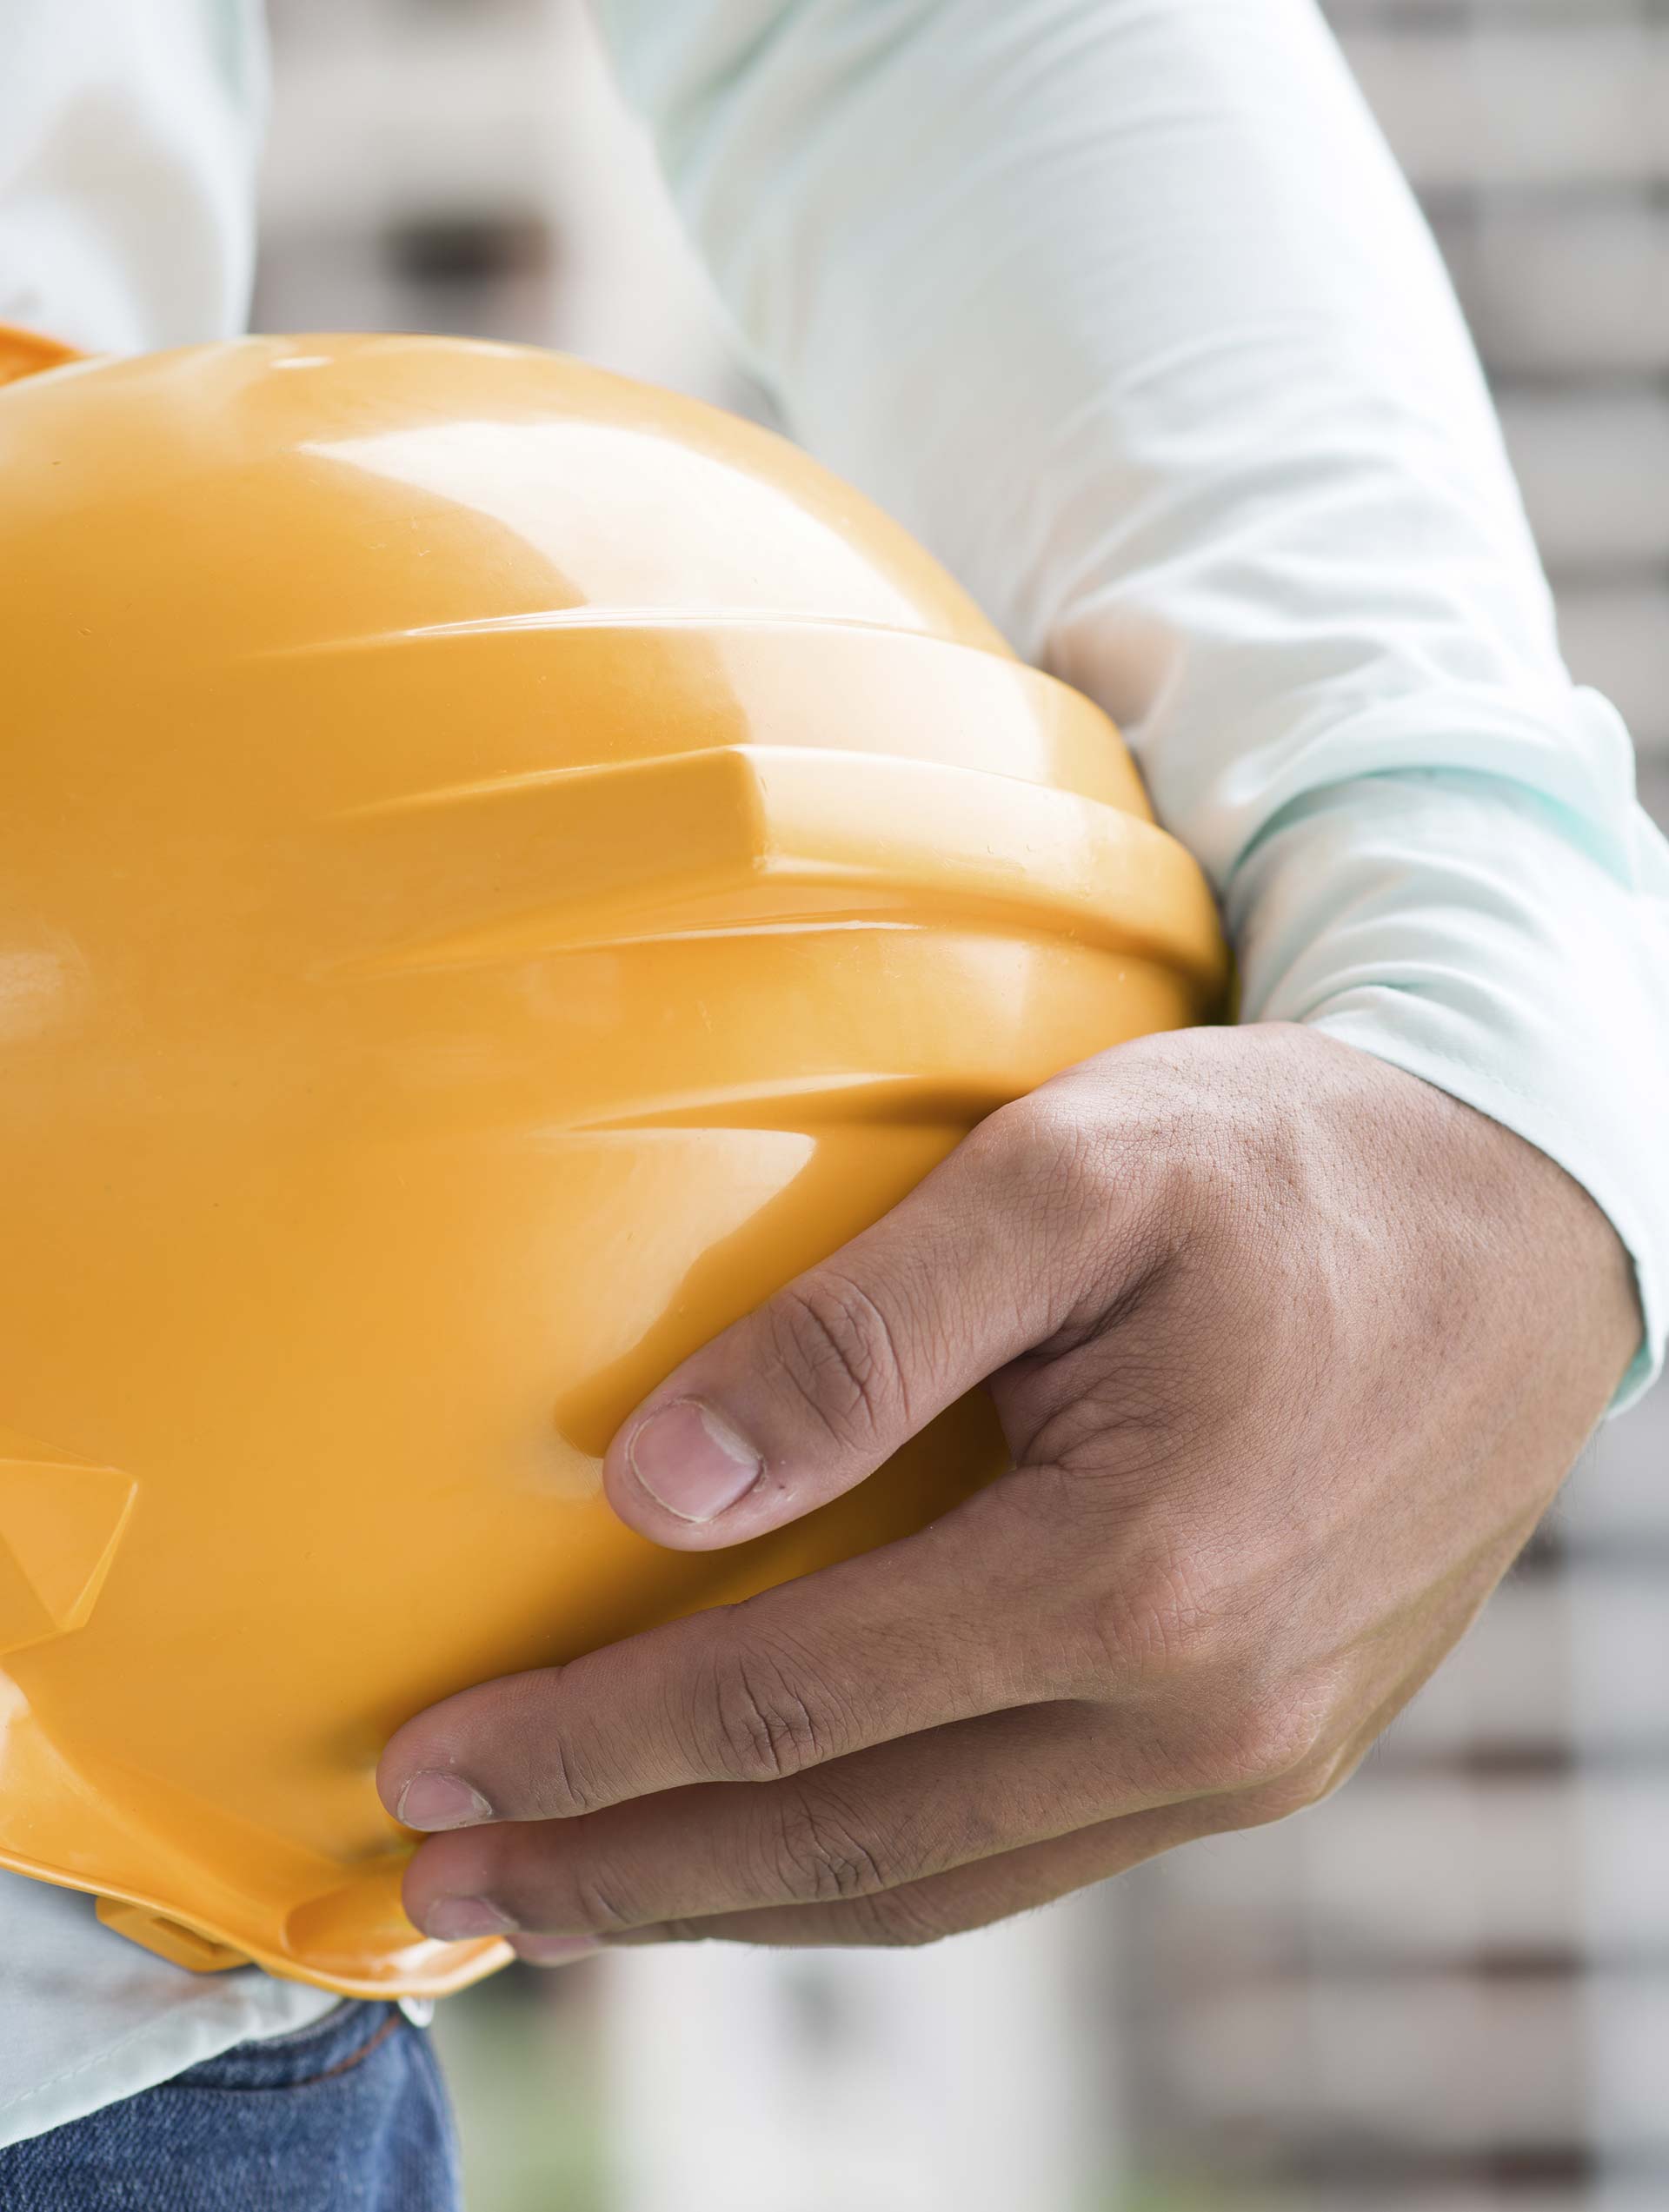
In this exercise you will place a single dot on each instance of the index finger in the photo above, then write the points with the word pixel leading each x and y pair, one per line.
pixel 962 1619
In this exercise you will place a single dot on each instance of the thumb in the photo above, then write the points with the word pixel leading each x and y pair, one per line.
pixel 808 1394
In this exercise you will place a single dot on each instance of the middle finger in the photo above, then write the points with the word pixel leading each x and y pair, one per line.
pixel 899 1813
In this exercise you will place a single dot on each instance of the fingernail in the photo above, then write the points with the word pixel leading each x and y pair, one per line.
pixel 432 1799
pixel 555 1950
pixel 690 1461
pixel 456 1919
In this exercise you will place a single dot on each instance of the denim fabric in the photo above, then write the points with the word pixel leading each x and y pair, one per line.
pixel 346 2116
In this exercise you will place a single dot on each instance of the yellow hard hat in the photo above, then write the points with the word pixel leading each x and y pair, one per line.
pixel 503 868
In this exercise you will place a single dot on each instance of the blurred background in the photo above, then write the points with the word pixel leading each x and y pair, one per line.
pixel 1449 1989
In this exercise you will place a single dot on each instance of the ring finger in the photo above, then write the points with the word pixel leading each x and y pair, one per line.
pixel 879 1820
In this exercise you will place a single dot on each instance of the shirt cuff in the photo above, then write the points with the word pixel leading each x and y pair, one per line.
pixel 1458 927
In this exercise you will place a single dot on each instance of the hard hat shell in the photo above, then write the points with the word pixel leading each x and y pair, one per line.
pixel 504 866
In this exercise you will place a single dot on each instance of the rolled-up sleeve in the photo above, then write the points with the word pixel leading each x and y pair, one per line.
pixel 1123 306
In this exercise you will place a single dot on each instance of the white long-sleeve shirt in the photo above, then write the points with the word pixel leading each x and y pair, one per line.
pixel 1123 307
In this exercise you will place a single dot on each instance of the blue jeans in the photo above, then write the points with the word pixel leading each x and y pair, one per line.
pixel 346 2116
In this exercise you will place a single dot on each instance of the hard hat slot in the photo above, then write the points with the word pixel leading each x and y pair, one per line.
pixel 747 836
pixel 171 1939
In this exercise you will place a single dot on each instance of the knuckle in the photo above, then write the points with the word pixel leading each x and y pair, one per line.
pixel 1156 1626
pixel 902 1920
pixel 836 1349
pixel 1077 1193
pixel 1061 1165
pixel 544 1773
pixel 1278 1801
pixel 554 1781
pixel 600 1906
pixel 767 1723
pixel 1230 1717
pixel 1272 1746
pixel 818 1853
pixel 563 1900
pixel 1306 1785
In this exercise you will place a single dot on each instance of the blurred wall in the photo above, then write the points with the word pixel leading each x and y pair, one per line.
pixel 465 165
pixel 1449 1989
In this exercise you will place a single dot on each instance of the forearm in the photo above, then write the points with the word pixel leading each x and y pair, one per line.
pixel 1123 307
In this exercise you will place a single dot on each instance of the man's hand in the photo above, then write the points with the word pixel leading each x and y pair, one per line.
pixel 1292 1352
